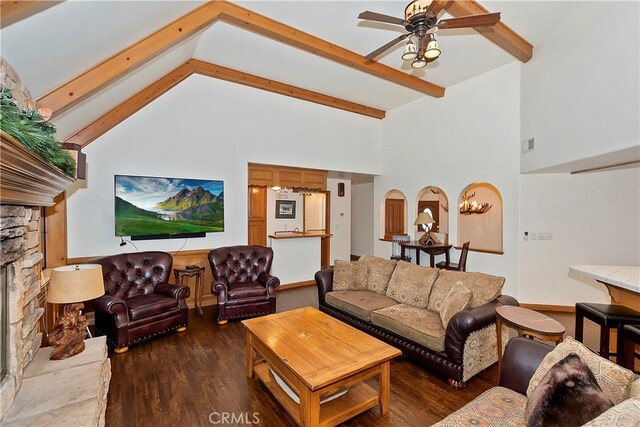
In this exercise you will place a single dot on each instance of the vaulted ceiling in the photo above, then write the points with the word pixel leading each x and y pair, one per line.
pixel 52 47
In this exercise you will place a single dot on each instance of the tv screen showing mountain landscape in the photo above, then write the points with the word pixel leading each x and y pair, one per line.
pixel 148 206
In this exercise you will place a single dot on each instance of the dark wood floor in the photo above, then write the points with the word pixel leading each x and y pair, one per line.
pixel 180 379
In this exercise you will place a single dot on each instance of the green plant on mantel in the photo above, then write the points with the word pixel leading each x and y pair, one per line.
pixel 30 127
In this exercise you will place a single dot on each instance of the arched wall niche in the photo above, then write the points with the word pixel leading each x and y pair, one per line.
pixel 483 230
pixel 394 214
pixel 434 200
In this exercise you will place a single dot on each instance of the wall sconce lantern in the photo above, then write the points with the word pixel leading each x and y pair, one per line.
pixel 468 206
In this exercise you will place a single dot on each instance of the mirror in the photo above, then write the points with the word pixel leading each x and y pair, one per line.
pixel 435 202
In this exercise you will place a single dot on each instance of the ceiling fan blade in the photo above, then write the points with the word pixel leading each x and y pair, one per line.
pixel 373 16
pixel 434 8
pixel 483 20
pixel 386 46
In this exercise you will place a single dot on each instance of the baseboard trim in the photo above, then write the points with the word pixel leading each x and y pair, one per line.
pixel 294 285
pixel 550 308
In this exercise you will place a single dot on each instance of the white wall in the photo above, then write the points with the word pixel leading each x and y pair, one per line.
pixel 340 220
pixel 472 134
pixel 362 225
pixel 209 129
pixel 594 220
pixel 315 211
pixel 580 99
pixel 580 91
pixel 284 224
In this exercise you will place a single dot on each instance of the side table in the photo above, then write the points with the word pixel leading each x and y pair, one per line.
pixel 198 273
pixel 527 323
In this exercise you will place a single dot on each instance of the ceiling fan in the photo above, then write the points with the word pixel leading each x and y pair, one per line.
pixel 420 18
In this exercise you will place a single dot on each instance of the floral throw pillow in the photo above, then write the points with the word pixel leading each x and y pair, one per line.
pixel 457 299
pixel 349 276
pixel 379 273
pixel 411 284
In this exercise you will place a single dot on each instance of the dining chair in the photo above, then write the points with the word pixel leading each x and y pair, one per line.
pixel 462 263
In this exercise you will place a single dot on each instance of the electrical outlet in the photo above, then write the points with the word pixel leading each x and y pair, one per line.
pixel 545 236
pixel 533 235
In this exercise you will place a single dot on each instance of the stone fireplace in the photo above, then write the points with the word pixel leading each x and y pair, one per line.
pixel 28 182
pixel 21 260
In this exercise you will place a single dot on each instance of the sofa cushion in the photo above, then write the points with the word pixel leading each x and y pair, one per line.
pixel 634 391
pixel 149 304
pixel 622 415
pixel 349 276
pixel 415 324
pixel 498 406
pixel 614 380
pixel 411 284
pixel 358 303
pixel 485 287
pixel 457 299
pixel 241 290
pixel 568 395
pixel 379 272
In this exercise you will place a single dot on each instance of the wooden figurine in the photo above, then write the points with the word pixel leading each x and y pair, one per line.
pixel 69 332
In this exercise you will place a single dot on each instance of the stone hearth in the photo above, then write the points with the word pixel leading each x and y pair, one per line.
pixel 21 256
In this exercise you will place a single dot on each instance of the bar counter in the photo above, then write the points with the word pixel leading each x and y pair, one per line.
pixel 622 282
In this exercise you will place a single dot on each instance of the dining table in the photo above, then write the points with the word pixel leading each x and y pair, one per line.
pixel 432 250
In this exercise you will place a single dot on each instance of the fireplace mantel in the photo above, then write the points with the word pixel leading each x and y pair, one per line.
pixel 27 179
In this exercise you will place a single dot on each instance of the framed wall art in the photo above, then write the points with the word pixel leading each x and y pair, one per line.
pixel 286 209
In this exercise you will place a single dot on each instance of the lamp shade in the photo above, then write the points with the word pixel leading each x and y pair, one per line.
pixel 423 218
pixel 410 51
pixel 419 63
pixel 433 50
pixel 75 283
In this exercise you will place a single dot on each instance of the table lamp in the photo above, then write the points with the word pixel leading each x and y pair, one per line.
pixel 71 285
pixel 424 218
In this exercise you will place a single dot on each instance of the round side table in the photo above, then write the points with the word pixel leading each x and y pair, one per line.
pixel 198 273
pixel 527 323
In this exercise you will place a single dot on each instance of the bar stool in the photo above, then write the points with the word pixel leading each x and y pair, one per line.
pixel 631 338
pixel 608 316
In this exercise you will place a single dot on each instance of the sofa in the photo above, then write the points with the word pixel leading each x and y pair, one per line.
pixel 525 366
pixel 139 303
pixel 444 320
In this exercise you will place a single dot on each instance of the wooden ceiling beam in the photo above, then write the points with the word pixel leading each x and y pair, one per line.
pixel 234 76
pixel 91 81
pixel 14 11
pixel 500 34
pixel 129 107
pixel 247 19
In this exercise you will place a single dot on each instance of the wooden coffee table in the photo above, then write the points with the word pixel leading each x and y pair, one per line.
pixel 528 323
pixel 317 356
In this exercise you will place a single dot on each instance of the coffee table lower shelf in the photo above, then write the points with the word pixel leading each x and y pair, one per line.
pixel 359 398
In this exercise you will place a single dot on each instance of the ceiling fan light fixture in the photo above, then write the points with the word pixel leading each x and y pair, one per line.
pixel 433 50
pixel 419 63
pixel 410 51
pixel 416 7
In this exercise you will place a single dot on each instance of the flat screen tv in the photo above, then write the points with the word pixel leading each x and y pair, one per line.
pixel 162 208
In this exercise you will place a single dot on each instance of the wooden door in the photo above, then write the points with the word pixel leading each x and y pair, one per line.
pixel 257 215
pixel 393 217
pixel 434 207
pixel 325 242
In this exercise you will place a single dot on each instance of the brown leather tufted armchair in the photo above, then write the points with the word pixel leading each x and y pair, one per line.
pixel 139 303
pixel 242 282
